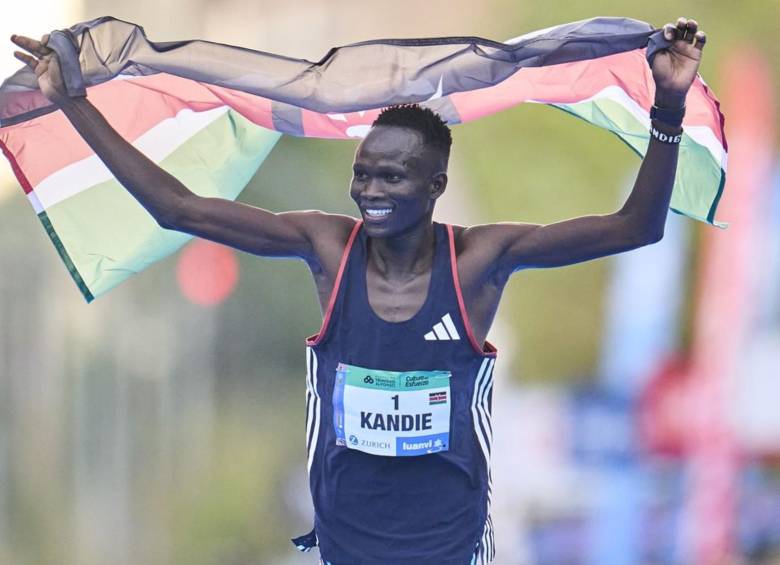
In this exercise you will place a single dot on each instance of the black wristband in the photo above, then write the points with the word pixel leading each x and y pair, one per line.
pixel 669 116
pixel 668 138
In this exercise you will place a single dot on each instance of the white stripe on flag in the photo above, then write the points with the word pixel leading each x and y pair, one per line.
pixel 157 143
pixel 36 204
pixel 700 134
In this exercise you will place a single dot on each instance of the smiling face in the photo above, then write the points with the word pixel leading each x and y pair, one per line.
pixel 396 180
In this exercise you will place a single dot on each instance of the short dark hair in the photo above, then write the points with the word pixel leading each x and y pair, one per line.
pixel 419 118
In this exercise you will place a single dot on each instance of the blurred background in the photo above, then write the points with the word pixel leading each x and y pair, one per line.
pixel 637 402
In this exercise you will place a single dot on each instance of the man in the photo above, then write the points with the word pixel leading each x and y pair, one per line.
pixel 399 376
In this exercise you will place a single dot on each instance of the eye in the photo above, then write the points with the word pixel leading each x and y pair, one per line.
pixel 393 177
pixel 359 175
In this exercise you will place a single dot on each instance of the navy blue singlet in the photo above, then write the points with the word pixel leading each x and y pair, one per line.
pixel 398 427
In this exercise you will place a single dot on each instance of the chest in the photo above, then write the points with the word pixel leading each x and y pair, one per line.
pixel 396 300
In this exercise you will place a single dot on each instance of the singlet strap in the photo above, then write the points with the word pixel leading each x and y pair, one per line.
pixel 316 338
pixel 489 349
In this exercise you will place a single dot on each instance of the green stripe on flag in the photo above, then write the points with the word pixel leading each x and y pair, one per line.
pixel 104 235
pixel 711 215
pixel 44 218
pixel 699 181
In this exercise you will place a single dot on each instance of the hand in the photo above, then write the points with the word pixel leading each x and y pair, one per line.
pixel 46 67
pixel 675 68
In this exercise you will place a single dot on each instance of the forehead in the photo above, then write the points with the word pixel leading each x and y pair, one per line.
pixel 391 144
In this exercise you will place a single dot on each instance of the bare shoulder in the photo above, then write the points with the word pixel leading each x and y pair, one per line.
pixel 328 234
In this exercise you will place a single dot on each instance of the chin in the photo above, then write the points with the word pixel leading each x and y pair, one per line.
pixel 379 230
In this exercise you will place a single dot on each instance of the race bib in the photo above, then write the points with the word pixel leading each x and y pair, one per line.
pixel 392 413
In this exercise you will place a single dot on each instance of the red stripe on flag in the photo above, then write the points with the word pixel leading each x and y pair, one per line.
pixel 569 83
pixel 15 168
pixel 132 107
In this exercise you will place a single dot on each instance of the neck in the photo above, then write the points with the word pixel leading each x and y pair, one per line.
pixel 404 255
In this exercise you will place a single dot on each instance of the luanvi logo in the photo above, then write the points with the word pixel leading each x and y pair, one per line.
pixel 443 331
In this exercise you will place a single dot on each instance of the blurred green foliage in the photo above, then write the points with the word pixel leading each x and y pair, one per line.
pixel 536 164
pixel 235 510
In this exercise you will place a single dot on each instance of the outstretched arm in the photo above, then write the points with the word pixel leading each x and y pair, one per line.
pixel 171 203
pixel 513 246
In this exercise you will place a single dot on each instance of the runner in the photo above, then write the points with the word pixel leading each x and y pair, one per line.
pixel 399 376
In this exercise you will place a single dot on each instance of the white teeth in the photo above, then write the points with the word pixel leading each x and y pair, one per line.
pixel 377 212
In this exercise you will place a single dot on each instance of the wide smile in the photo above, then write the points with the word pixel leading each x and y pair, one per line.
pixel 377 214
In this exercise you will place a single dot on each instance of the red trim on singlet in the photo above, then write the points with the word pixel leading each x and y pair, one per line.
pixel 489 350
pixel 316 338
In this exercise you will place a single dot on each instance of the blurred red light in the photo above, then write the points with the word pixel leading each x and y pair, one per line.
pixel 207 272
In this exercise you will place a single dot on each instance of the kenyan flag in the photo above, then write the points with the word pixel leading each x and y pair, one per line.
pixel 210 113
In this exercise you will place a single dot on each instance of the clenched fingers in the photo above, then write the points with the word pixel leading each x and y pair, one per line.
pixel 685 30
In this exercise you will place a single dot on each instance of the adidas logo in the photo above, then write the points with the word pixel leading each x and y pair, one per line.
pixel 444 330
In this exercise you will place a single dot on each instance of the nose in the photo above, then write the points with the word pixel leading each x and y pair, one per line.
pixel 372 188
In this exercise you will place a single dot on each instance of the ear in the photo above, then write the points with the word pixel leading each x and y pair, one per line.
pixel 438 184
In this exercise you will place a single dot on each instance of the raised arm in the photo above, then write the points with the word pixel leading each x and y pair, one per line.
pixel 640 221
pixel 172 204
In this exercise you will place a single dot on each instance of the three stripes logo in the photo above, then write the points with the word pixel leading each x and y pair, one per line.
pixel 443 331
